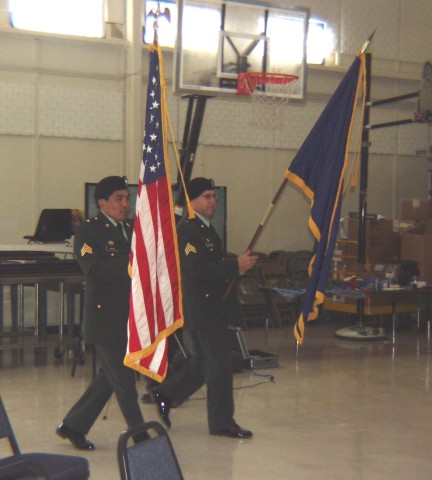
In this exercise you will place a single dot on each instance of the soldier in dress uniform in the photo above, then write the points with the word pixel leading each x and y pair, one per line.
pixel 102 247
pixel 205 275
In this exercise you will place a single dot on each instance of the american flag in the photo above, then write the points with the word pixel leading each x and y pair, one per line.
pixel 155 302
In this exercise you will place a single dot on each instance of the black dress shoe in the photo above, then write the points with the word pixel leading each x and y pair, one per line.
pixel 234 431
pixel 77 439
pixel 147 398
pixel 164 406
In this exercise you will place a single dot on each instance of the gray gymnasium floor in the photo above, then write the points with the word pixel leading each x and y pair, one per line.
pixel 339 410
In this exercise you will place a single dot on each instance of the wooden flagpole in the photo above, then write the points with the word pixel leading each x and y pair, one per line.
pixel 261 225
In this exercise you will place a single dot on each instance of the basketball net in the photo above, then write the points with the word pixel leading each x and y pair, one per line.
pixel 270 94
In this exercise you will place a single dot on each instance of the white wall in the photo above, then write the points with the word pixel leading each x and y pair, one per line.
pixel 71 111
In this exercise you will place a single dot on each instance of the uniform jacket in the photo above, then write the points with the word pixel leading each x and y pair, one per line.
pixel 205 274
pixel 102 252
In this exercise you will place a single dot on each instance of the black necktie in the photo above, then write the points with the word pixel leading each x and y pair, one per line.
pixel 120 229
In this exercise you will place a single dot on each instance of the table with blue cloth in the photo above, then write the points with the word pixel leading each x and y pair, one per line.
pixel 366 301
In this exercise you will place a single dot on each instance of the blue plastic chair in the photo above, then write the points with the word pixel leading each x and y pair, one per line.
pixel 37 465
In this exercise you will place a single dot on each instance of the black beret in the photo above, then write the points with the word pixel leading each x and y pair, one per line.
pixel 199 185
pixel 109 185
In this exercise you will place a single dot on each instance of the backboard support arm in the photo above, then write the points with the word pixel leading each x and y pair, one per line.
pixel 192 130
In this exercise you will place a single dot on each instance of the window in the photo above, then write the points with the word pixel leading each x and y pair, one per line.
pixel 67 17
pixel 319 40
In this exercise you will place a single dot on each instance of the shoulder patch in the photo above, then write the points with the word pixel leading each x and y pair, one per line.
pixel 86 249
pixel 190 249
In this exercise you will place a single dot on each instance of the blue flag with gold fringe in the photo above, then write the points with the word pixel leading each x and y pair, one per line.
pixel 319 169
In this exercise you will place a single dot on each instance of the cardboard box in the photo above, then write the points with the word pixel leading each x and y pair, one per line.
pixel 416 210
pixel 345 251
pixel 418 247
pixel 382 242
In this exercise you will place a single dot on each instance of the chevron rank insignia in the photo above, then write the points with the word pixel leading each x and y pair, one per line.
pixel 86 249
pixel 189 249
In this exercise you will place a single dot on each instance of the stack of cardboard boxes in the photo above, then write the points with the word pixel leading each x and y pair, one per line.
pixel 382 245
pixel 389 241
pixel 382 242
pixel 416 235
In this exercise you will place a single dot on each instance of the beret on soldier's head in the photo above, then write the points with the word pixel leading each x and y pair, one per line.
pixel 108 185
pixel 199 185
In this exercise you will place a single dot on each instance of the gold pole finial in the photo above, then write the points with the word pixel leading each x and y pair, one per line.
pixel 156 13
pixel 368 41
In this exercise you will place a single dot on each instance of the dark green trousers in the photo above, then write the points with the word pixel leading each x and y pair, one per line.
pixel 209 364
pixel 113 376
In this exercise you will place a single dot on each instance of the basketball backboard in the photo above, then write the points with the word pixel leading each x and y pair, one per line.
pixel 218 40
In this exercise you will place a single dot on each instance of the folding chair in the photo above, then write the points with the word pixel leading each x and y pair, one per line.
pixel 273 274
pixel 37 465
pixel 23 470
pixel 54 226
pixel 149 459
pixel 300 265
pixel 251 300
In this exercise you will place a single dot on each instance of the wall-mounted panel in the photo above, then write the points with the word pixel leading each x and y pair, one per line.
pixel 66 164
pixel 17 109
pixel 73 56
pixel 65 112
pixel 17 50
pixel 414 139
pixel 18 188
pixel 360 19
pixel 411 180
pixel 416 17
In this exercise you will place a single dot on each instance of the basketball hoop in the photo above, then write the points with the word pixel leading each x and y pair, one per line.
pixel 269 93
